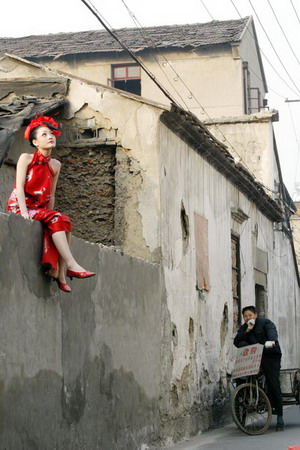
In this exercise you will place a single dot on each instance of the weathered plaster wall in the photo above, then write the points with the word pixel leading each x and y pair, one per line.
pixel 250 141
pixel 79 371
pixel 136 172
pixel 218 83
pixel 248 53
pixel 202 335
pixel 295 223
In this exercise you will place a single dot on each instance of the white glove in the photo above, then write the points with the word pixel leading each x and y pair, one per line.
pixel 269 344
pixel 250 324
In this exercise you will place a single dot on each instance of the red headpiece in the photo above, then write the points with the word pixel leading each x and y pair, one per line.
pixel 42 121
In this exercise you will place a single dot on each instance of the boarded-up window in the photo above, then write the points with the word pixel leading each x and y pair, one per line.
pixel 202 261
pixel 235 270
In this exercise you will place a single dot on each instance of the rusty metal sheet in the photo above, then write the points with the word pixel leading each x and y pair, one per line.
pixel 18 113
pixel 39 87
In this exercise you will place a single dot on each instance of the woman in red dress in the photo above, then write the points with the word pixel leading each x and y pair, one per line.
pixel 33 197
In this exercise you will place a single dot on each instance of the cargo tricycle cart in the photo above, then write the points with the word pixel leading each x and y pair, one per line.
pixel 250 406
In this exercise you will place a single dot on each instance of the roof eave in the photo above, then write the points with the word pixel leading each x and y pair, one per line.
pixel 196 135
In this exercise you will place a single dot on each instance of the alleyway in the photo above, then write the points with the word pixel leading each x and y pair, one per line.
pixel 231 438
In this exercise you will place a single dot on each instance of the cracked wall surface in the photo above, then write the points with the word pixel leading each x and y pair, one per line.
pixel 136 183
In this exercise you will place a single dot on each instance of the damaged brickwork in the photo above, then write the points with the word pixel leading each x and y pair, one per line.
pixel 86 191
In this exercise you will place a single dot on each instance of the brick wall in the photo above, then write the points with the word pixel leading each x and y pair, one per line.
pixel 86 191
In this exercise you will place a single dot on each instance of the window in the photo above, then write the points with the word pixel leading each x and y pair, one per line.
pixel 252 95
pixel 236 281
pixel 260 300
pixel 127 78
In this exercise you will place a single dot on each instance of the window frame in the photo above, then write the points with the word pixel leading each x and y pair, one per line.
pixel 126 67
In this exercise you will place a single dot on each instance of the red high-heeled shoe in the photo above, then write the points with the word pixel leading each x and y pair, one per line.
pixel 84 274
pixel 62 286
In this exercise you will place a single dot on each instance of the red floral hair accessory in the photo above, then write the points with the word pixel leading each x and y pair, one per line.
pixel 42 121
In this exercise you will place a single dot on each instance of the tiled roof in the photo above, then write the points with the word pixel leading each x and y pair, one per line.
pixel 189 128
pixel 169 36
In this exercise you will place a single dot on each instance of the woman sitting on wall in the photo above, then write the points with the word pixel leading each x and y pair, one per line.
pixel 33 197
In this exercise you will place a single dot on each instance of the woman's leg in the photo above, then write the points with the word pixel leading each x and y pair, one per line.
pixel 61 242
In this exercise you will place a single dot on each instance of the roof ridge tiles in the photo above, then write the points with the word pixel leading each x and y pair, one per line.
pixel 172 36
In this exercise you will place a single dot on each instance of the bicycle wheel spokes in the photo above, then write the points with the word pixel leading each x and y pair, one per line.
pixel 251 409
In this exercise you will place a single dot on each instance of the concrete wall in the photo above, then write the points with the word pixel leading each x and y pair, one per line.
pixel 79 371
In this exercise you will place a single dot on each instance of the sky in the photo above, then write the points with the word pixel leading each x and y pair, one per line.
pixel 277 25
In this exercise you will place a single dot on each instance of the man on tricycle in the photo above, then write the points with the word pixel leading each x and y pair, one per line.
pixel 258 330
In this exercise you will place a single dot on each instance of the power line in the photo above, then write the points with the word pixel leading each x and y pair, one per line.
pixel 96 13
pixel 265 56
pixel 177 76
pixel 295 10
pixel 273 47
pixel 208 12
pixel 147 40
pixel 190 92
pixel 297 141
pixel 288 42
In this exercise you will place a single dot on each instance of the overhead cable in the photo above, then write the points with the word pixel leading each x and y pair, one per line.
pixel 96 13
pixel 147 40
pixel 295 10
pixel 288 42
pixel 297 141
pixel 273 47
pixel 265 56
pixel 208 12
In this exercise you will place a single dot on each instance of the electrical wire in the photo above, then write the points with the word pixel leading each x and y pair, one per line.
pixel 265 56
pixel 108 28
pixel 147 40
pixel 191 95
pixel 288 42
pixel 273 47
pixel 167 62
pixel 295 10
pixel 208 12
pixel 297 141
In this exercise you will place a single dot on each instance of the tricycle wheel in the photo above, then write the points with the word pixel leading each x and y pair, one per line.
pixel 251 409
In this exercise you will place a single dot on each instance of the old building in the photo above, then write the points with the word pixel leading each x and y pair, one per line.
pixel 213 69
pixel 154 182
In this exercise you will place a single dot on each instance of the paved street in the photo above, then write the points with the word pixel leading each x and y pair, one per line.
pixel 231 438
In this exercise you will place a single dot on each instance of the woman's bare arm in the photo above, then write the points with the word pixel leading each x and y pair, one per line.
pixel 22 166
pixel 56 165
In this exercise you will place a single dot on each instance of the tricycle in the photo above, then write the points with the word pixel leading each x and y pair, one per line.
pixel 250 405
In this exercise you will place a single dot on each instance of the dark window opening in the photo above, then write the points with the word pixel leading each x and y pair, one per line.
pixel 133 86
pixel 260 300
pixel 127 78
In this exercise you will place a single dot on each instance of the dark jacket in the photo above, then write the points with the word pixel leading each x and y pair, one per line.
pixel 263 330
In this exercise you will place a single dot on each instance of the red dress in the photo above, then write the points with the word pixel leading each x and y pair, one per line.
pixel 37 188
